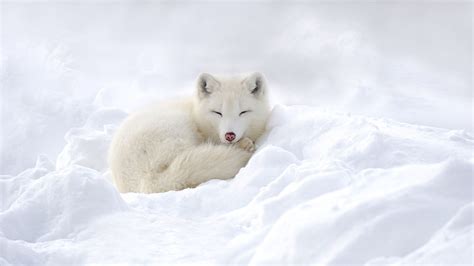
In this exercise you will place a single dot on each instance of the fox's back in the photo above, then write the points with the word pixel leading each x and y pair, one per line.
pixel 151 138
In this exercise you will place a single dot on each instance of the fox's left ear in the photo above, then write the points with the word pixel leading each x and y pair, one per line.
pixel 256 84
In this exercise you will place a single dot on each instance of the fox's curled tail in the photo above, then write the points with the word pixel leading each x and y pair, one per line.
pixel 195 166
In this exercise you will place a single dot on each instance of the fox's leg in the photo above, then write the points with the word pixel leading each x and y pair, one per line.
pixel 246 144
pixel 199 164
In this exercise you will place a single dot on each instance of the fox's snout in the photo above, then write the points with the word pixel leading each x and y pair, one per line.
pixel 230 136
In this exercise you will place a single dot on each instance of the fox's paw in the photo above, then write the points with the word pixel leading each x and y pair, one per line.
pixel 246 144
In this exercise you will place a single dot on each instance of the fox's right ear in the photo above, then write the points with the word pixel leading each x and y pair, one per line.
pixel 206 84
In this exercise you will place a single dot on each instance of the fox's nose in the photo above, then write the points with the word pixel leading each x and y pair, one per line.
pixel 230 136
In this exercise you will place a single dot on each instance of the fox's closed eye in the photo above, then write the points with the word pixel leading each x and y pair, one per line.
pixel 241 113
pixel 215 112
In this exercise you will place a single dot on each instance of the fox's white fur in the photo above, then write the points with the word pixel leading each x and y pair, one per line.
pixel 181 144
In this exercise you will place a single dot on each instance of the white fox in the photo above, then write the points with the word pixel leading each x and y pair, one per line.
pixel 182 144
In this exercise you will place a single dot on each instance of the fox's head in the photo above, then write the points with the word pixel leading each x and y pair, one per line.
pixel 228 109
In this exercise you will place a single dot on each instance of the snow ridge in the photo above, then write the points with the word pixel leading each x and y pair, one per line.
pixel 322 188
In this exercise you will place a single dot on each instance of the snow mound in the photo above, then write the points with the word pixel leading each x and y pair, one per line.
pixel 88 145
pixel 58 204
pixel 322 188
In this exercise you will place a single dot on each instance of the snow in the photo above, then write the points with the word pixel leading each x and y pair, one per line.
pixel 343 189
pixel 368 157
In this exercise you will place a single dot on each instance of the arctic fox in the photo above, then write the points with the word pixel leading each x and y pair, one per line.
pixel 181 144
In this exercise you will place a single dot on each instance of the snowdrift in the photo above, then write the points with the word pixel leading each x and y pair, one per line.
pixel 322 188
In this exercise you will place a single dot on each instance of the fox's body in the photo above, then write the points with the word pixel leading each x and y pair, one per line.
pixel 181 144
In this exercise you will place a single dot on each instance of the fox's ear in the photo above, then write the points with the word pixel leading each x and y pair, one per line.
pixel 206 84
pixel 256 84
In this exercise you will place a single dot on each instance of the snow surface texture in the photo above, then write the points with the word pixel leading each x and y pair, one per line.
pixel 409 61
pixel 341 190
pixel 336 183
